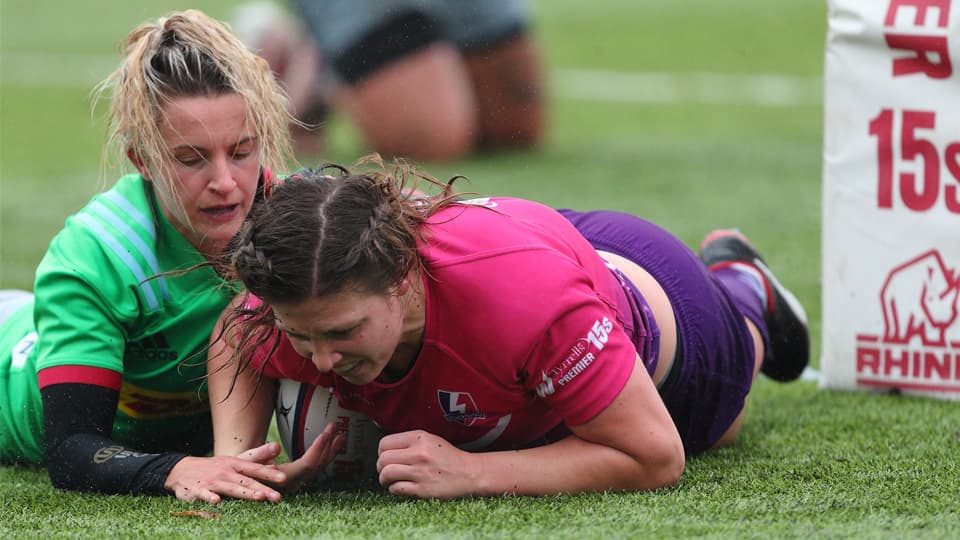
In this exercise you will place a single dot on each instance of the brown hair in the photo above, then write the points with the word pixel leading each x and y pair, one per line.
pixel 318 235
pixel 187 54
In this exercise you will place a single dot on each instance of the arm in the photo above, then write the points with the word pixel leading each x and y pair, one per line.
pixel 241 415
pixel 81 455
pixel 631 445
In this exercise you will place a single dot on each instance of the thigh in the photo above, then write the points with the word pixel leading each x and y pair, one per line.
pixel 420 106
pixel 715 363
pixel 504 66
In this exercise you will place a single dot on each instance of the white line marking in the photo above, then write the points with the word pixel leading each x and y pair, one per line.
pixel 39 69
pixel 706 88
pixel 85 70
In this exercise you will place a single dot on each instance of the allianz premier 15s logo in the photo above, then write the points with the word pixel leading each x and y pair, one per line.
pixel 915 352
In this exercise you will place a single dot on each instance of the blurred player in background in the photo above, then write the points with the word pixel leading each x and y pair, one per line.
pixel 102 366
pixel 503 346
pixel 423 79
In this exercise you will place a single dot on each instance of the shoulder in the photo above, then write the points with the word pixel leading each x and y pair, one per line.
pixel 109 246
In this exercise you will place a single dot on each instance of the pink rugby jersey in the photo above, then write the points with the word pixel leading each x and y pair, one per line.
pixel 526 330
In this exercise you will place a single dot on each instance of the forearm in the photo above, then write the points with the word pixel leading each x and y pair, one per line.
pixel 90 462
pixel 571 465
pixel 241 423
pixel 240 407
pixel 80 455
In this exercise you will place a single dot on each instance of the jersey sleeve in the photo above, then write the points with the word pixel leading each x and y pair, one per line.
pixel 83 305
pixel 584 357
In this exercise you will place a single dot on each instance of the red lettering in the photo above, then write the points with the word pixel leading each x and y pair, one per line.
pixel 952 158
pixel 924 196
pixel 931 363
pixel 925 49
pixel 890 362
pixel 868 358
pixel 882 128
pixel 943 6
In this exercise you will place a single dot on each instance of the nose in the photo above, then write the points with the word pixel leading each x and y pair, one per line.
pixel 324 357
pixel 221 177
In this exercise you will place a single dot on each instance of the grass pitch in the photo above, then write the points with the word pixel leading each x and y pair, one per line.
pixel 707 153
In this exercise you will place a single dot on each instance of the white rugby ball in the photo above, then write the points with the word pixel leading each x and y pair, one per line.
pixel 304 410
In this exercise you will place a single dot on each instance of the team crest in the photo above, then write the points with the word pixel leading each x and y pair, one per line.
pixel 459 407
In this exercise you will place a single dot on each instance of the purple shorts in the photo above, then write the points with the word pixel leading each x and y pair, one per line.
pixel 713 369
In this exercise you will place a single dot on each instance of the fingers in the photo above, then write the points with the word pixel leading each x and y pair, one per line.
pixel 264 454
pixel 405 439
pixel 318 455
pixel 236 487
pixel 210 479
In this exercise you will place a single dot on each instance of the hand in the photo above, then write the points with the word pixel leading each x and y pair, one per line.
pixel 320 453
pixel 421 464
pixel 209 478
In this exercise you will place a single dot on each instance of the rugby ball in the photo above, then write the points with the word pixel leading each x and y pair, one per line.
pixel 302 412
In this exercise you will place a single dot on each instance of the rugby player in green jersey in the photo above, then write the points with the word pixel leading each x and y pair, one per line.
pixel 102 367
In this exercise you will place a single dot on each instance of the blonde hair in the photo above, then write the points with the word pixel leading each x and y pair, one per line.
pixel 188 54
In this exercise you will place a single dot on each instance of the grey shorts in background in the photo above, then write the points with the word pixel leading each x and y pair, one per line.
pixel 340 26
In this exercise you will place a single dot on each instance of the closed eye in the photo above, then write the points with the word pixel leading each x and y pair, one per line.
pixel 339 334
pixel 192 160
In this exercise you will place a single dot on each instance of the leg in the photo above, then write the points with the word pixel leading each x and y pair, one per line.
pixel 731 434
pixel 773 314
pixel 779 315
pixel 401 83
pixel 419 106
pixel 508 86
pixel 717 360
pixel 504 65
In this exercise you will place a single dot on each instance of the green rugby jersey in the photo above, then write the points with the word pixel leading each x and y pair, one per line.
pixel 101 302
pixel 21 417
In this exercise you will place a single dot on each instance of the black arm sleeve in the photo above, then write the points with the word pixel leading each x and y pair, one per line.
pixel 78 420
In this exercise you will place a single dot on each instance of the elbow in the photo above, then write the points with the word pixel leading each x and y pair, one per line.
pixel 672 467
pixel 662 467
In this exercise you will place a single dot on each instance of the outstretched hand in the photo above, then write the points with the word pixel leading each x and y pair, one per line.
pixel 253 474
pixel 421 464
pixel 320 453
pixel 246 477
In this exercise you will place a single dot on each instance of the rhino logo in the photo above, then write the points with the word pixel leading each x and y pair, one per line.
pixel 920 299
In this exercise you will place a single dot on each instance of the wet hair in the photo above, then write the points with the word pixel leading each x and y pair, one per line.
pixel 320 234
pixel 188 54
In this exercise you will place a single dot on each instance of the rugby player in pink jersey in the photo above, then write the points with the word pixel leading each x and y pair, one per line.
pixel 503 346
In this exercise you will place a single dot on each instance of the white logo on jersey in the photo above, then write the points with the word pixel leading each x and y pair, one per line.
pixel 482 201
pixel 545 388
pixel 600 333
pixel 18 357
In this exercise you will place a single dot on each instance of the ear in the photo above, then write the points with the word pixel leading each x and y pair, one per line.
pixel 138 163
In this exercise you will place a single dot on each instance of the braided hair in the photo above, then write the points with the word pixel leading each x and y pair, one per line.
pixel 320 234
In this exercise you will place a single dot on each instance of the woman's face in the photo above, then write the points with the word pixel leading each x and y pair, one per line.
pixel 352 334
pixel 215 167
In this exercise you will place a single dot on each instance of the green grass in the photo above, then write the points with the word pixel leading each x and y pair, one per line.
pixel 809 463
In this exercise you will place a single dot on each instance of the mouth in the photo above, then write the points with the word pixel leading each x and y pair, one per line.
pixel 345 368
pixel 223 212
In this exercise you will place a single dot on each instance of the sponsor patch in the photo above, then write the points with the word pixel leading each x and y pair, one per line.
pixel 919 348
